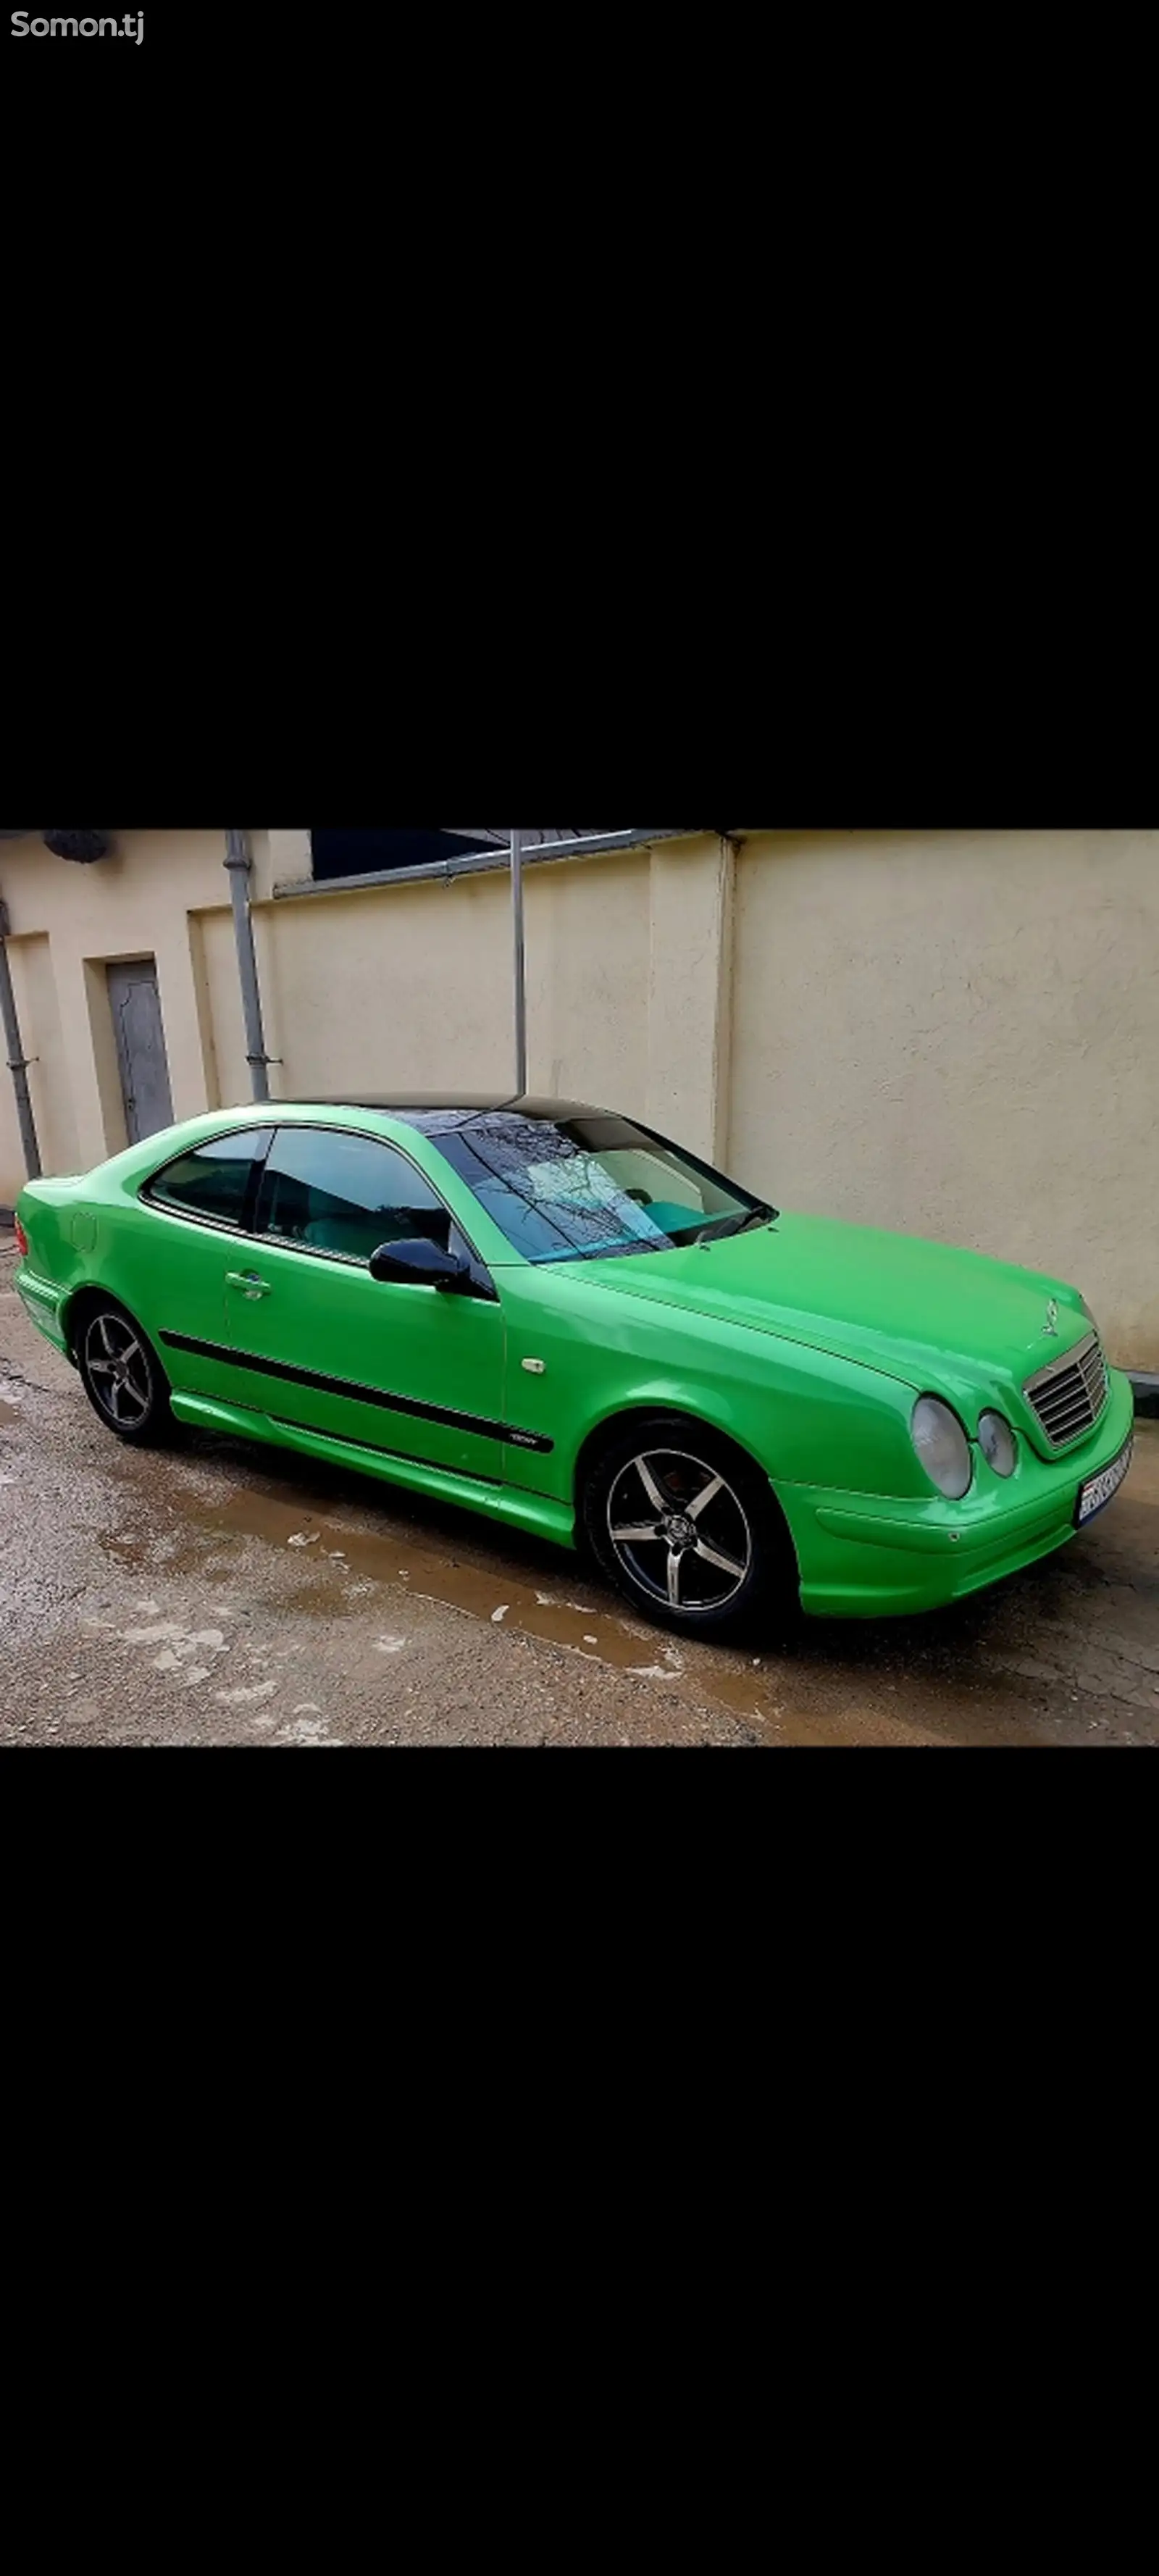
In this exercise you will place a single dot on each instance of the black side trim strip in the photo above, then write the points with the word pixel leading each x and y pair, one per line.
pixel 342 1386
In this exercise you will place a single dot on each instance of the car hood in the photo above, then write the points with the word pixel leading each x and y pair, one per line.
pixel 923 1312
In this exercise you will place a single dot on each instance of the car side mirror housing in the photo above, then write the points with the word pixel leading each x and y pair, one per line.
pixel 419 1263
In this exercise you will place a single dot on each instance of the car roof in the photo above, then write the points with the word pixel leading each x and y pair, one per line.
pixel 432 1109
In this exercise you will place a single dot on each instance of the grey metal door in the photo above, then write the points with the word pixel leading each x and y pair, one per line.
pixel 136 1008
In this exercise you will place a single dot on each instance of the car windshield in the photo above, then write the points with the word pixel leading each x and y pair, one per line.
pixel 586 1188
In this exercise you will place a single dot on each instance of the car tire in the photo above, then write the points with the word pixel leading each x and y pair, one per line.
pixel 689 1530
pixel 122 1375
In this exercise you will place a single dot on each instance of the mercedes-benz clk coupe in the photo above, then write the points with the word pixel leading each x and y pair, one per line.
pixel 553 1315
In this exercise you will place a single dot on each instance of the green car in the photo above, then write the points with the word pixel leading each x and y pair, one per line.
pixel 555 1316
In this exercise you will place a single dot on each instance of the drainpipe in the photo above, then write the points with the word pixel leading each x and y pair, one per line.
pixel 520 964
pixel 240 866
pixel 17 1060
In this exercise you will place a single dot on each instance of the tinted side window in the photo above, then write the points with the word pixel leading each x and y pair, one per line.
pixel 331 1192
pixel 213 1180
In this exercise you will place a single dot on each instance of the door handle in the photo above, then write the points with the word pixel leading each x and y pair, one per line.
pixel 249 1280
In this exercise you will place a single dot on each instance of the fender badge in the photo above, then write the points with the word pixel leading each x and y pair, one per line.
pixel 536 1368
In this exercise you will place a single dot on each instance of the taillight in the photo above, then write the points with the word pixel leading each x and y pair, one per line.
pixel 21 1240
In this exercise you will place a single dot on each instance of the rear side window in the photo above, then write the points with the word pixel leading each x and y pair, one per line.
pixel 328 1191
pixel 213 1180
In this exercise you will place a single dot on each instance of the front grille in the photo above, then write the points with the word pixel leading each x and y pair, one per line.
pixel 1069 1395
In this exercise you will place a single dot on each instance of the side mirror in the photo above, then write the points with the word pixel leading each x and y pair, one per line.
pixel 419 1263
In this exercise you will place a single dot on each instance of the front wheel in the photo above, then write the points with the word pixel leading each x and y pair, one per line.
pixel 688 1528
pixel 123 1377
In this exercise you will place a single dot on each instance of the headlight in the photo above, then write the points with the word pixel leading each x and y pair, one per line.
pixel 942 1446
pixel 997 1443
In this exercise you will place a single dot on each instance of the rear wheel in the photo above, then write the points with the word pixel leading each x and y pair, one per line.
pixel 123 1377
pixel 687 1527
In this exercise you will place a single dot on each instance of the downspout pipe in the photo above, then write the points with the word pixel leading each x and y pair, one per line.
pixel 240 866
pixel 520 964
pixel 17 1060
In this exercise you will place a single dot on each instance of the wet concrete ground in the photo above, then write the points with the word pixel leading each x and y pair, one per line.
pixel 214 1595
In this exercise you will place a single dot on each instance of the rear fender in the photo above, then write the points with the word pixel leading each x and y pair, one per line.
pixel 54 1271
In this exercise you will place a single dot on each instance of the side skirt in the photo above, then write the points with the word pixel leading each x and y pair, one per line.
pixel 536 1513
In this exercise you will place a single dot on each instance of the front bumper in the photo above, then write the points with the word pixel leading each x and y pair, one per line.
pixel 867 1556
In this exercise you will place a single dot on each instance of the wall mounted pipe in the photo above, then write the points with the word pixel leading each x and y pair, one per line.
pixel 520 963
pixel 240 866
pixel 17 1060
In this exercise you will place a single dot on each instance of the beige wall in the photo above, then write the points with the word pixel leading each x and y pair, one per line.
pixel 957 1034
pixel 951 1033
pixel 138 902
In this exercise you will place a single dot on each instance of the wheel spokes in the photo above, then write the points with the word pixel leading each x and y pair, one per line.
pixel 727 1564
pixel 710 1531
pixel 112 1349
pixel 651 1488
pixel 137 1400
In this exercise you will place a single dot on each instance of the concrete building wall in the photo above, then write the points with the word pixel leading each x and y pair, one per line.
pixel 136 903
pixel 954 1034
pixel 398 987
pixel 957 1034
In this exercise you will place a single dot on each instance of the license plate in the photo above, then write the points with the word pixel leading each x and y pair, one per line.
pixel 1095 1496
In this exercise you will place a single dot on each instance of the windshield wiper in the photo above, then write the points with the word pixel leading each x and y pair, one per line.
pixel 720 1228
pixel 599 1251
pixel 716 1230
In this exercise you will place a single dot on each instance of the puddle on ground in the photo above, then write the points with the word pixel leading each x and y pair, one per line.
pixel 336 1570
pixel 338 1567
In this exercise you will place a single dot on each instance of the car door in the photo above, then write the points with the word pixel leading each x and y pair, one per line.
pixel 173 1249
pixel 408 1370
